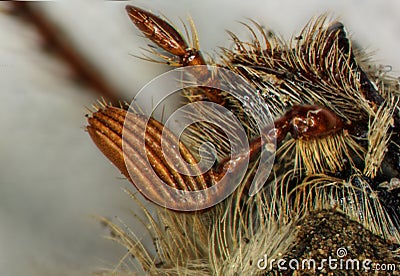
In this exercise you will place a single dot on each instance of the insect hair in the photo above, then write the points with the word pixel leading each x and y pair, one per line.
pixel 342 172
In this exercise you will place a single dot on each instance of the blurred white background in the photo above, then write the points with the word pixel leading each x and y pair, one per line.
pixel 52 177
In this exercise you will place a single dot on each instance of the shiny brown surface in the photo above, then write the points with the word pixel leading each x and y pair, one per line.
pixel 308 121
pixel 158 31
pixel 168 38
pixel 106 128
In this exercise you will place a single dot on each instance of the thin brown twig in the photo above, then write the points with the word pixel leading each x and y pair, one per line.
pixel 66 50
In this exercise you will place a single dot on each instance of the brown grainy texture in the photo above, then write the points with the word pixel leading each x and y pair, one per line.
pixel 322 233
pixel 335 167
pixel 46 204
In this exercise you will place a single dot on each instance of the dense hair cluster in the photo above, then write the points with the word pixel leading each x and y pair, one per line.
pixel 352 171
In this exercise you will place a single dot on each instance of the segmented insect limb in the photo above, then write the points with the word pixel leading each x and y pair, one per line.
pixel 169 39
pixel 301 121
pixel 106 128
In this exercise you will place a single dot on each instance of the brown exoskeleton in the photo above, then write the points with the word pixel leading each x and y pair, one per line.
pixel 343 142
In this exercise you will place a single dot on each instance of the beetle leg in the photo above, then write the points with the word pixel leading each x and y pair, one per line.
pixel 168 38
pixel 301 121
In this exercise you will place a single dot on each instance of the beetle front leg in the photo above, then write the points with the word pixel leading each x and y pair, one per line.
pixel 301 121
pixel 169 39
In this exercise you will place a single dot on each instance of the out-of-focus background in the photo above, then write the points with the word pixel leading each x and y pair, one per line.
pixel 52 178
